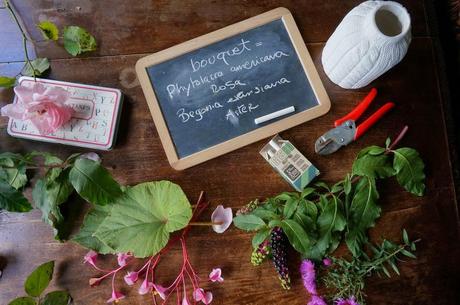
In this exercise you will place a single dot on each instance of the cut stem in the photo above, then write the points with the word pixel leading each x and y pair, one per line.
pixel 205 223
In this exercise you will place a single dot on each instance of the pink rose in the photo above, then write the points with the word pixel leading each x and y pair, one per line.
pixel 44 106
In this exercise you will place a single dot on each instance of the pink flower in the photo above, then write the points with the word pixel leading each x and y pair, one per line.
pixel 216 275
pixel 91 258
pixel 327 262
pixel 200 295
pixel 316 300
pixel 160 290
pixel 131 278
pixel 349 301
pixel 222 219
pixel 44 106
pixel 122 259
pixel 145 287
pixel 116 296
pixel 307 271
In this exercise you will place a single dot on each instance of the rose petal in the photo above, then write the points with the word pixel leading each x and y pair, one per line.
pixel 198 294
pixel 208 298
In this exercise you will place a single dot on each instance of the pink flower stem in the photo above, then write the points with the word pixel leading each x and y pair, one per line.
pixel 112 272
pixel 398 138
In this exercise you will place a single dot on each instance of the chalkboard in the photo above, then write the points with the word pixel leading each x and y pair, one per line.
pixel 213 94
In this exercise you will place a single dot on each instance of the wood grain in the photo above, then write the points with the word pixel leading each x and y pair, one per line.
pixel 242 175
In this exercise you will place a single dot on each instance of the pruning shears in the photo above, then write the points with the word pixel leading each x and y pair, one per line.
pixel 346 131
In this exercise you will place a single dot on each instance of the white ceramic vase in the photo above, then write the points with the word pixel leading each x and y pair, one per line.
pixel 370 40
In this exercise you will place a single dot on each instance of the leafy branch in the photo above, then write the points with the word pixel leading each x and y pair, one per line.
pixel 59 179
pixel 76 40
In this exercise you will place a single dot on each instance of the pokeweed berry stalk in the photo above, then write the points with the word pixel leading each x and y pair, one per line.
pixel 186 280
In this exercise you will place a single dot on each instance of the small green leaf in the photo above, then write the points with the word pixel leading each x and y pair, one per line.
pixel 405 237
pixel 307 192
pixel 38 65
pixel 347 185
pixel 12 200
pixel 39 279
pixel 57 298
pixel 387 143
pixel 49 30
pixel 385 270
pixel 394 267
pixel 142 219
pixel 77 40
pixel 408 254
pixel 7 82
pixel 409 170
pixel 23 301
pixel 296 235
pixel 290 207
pixel 249 222
pixel 260 237
pixel 93 182
pixel 322 185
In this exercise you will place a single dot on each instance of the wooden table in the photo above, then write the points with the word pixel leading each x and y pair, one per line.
pixel 128 30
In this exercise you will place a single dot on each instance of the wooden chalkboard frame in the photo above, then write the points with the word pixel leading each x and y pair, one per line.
pixel 322 108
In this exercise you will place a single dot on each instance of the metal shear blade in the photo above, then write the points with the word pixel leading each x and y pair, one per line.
pixel 335 138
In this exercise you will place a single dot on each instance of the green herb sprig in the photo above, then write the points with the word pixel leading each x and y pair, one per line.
pixel 346 278
pixel 35 285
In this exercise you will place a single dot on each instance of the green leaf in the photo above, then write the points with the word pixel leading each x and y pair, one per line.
pixel 7 82
pixel 48 196
pixel 363 212
pixel 93 182
pixel 385 270
pixel 405 237
pixel 408 254
pixel 290 207
pixel 387 143
pixel 249 222
pixel 13 172
pixel 329 221
pixel 409 170
pixel 23 301
pixel 91 223
pixel 296 235
pixel 49 30
pixel 142 219
pixel 77 40
pixel 57 298
pixel 307 192
pixel 264 213
pixel 347 185
pixel 39 279
pixel 372 162
pixel 39 65
pixel 12 200
pixel 274 223
pixel 260 237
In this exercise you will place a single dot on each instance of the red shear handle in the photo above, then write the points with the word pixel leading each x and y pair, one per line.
pixel 361 129
pixel 359 110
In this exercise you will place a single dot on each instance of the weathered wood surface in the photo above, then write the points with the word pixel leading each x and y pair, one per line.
pixel 127 30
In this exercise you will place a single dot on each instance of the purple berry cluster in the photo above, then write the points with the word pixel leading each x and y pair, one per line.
pixel 278 245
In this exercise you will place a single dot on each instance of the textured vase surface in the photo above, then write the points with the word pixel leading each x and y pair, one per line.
pixel 370 40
